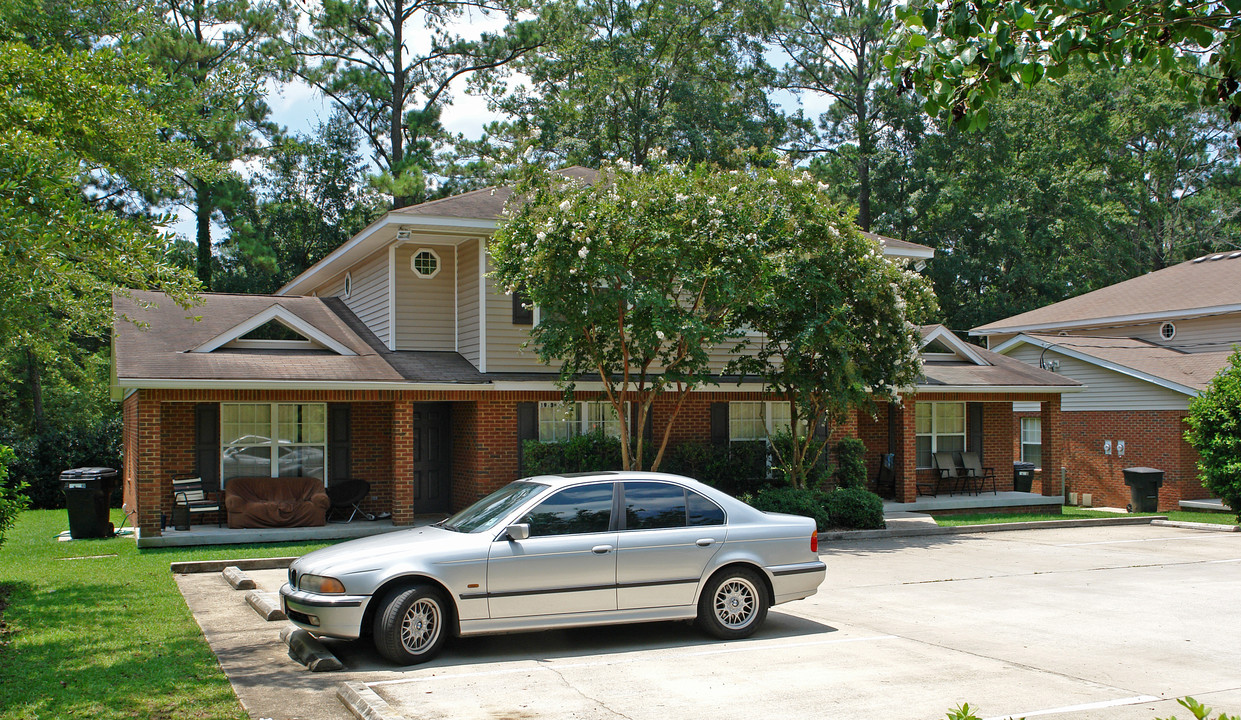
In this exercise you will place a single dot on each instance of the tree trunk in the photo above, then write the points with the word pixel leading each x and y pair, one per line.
pixel 35 381
pixel 865 141
pixel 396 134
pixel 202 213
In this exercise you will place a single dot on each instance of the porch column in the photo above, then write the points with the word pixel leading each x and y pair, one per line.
pixel 906 443
pixel 1053 446
pixel 151 488
pixel 402 462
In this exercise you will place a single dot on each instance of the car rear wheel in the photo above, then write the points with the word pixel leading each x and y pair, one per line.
pixel 410 625
pixel 733 605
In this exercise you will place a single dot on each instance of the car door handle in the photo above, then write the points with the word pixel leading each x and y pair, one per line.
pixel 705 542
pixel 601 549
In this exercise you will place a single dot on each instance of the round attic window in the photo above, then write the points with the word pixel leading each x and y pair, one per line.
pixel 348 285
pixel 1167 331
pixel 425 263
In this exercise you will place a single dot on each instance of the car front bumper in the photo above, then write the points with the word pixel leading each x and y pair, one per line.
pixel 337 616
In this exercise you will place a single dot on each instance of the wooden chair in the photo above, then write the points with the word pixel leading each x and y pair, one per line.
pixel 978 474
pixel 189 497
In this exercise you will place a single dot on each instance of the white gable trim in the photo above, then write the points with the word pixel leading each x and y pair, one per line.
pixel 1020 340
pixel 282 316
pixel 959 346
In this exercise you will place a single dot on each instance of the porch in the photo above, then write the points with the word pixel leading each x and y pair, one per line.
pixel 1003 501
pixel 212 535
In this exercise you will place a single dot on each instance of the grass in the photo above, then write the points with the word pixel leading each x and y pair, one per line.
pixel 1076 513
pixel 97 628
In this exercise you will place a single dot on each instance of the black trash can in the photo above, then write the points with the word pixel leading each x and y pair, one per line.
pixel 87 491
pixel 1023 476
pixel 1144 484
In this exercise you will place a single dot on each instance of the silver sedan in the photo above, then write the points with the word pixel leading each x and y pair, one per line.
pixel 557 552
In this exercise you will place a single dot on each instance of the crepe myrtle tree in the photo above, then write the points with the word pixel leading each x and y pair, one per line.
pixel 833 330
pixel 1215 432
pixel 642 275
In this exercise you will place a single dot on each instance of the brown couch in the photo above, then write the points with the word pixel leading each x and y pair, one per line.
pixel 264 502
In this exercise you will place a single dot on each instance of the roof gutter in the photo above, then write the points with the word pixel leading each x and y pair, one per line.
pixel 1106 321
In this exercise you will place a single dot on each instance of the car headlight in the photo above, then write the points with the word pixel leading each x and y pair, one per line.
pixel 321 584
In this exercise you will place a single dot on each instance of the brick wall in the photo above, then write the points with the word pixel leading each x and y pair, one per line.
pixel 370 457
pixel 1153 438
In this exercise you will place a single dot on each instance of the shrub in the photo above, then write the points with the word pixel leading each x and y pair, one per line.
pixel 851 463
pixel 855 509
pixel 816 476
pixel 1215 432
pixel 794 501
pixel 584 453
pixel 41 458
pixel 12 501
pixel 736 468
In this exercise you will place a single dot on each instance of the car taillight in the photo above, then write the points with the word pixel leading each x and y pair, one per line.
pixel 814 542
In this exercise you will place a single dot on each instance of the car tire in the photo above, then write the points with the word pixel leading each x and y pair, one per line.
pixel 733 604
pixel 411 625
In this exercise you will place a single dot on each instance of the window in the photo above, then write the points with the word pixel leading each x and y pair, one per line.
pixel 1167 331
pixel 652 505
pixel 348 285
pixel 523 309
pixel 749 421
pixel 703 511
pixel 1032 441
pixel 559 422
pixel 425 263
pixel 940 427
pixel 246 432
pixel 572 511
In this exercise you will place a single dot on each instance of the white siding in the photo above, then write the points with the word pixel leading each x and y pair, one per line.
pixel 1105 389
pixel 425 307
pixel 1204 334
pixel 369 299
pixel 467 300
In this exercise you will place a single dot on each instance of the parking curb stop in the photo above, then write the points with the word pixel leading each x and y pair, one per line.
pixel 365 703
pixel 267 605
pixel 307 650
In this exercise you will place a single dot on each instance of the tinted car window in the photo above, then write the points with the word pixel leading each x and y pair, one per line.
pixel 702 511
pixel 583 509
pixel 654 505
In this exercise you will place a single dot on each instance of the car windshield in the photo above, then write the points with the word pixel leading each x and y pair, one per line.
pixel 488 511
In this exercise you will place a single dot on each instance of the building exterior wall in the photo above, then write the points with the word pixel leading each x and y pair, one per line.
pixel 467 301
pixel 426 312
pixel 1201 334
pixel 504 341
pixel 1105 389
pixel 1152 438
pixel 369 298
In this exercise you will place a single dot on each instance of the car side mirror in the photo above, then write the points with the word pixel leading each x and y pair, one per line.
pixel 518 531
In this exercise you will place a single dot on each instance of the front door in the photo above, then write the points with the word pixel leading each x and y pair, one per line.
pixel 432 457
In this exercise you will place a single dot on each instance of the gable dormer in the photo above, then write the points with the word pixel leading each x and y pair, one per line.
pixel 275 328
pixel 939 344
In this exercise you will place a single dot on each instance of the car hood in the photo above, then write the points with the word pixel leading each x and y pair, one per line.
pixel 426 543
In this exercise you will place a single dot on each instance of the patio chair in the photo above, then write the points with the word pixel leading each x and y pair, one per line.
pixel 347 495
pixel 950 473
pixel 978 474
pixel 189 498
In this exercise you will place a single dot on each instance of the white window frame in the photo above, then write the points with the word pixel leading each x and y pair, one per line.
pixel 273 438
pixel 413 263
pixel 773 421
pixel 584 419
pixel 1037 422
pixel 935 434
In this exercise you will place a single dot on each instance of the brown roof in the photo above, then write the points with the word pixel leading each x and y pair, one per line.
pixel 485 204
pixel 161 349
pixel 1192 370
pixel 1002 372
pixel 1211 281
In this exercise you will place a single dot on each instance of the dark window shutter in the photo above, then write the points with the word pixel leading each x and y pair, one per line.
pixel 207 444
pixel 973 415
pixel 527 429
pixel 339 442
pixel 523 311
pixel 719 423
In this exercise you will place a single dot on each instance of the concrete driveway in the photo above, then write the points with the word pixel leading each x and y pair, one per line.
pixel 1109 622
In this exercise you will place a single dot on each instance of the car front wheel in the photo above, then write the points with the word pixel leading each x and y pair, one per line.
pixel 410 625
pixel 733 605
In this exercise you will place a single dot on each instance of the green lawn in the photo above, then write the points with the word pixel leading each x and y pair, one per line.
pixel 1073 513
pixel 97 629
